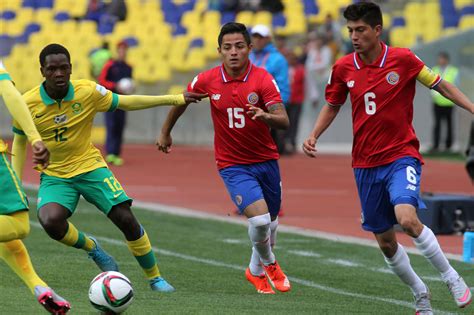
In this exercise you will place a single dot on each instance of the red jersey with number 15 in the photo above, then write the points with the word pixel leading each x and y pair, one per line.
pixel 382 104
pixel 237 138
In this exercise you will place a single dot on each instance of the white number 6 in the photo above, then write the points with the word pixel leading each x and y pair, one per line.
pixel 370 106
pixel 411 175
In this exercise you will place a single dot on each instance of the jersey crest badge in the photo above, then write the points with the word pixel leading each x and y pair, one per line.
pixel 60 119
pixel 238 200
pixel 392 77
pixel 350 84
pixel 215 97
pixel 252 98
pixel 76 108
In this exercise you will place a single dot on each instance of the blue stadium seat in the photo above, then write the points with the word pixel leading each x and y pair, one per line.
pixel 310 7
pixel 467 10
pixel 278 20
pixel 197 42
pixel 61 16
pixel 44 4
pixel 179 30
pixel 227 17
pixel 8 15
pixel 29 4
pixel 450 20
pixel 7 45
pixel 398 21
pixel 105 27
pixel 131 41
pixel 32 28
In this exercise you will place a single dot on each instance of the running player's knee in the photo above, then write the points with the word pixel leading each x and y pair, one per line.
pixel 411 225
pixel 23 230
pixel 259 228
pixel 54 223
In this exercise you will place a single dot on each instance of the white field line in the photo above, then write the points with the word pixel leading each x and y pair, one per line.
pixel 308 283
pixel 186 212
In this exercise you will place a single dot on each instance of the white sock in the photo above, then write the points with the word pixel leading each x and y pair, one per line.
pixel 428 245
pixel 259 233
pixel 400 265
pixel 255 265
pixel 273 232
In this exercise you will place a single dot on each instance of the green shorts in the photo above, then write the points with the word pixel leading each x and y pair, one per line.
pixel 99 187
pixel 13 197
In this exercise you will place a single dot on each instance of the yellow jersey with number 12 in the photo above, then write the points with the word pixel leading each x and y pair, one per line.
pixel 65 125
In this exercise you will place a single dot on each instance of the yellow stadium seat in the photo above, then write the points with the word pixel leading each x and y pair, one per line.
pixel 466 22
pixel 245 17
pixel 176 89
pixel 462 3
pixel 11 4
pixel 262 17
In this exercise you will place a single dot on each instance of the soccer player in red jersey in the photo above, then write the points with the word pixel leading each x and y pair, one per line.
pixel 387 164
pixel 245 103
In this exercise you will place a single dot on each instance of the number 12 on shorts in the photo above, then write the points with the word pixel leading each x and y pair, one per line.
pixel 113 184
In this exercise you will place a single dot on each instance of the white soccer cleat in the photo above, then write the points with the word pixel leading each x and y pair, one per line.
pixel 460 292
pixel 423 303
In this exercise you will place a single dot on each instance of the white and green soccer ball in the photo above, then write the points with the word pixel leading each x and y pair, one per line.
pixel 111 291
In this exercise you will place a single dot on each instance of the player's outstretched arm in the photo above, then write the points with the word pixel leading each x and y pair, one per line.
pixel 324 120
pixel 18 109
pixel 276 117
pixel 164 140
pixel 451 92
pixel 137 102
pixel 19 154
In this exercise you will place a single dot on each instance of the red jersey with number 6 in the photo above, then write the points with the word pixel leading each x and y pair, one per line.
pixel 238 139
pixel 382 104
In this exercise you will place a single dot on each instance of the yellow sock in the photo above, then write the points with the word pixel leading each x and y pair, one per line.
pixel 143 253
pixel 14 226
pixel 77 239
pixel 14 253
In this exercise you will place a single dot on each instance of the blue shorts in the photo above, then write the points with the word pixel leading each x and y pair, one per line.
pixel 383 187
pixel 251 182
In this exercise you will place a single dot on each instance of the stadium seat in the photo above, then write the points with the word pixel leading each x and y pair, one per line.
pixel 466 22
pixel 245 17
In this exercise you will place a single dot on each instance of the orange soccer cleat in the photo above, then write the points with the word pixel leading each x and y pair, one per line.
pixel 260 282
pixel 277 278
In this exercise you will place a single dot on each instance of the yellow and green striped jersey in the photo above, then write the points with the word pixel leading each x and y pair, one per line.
pixel 66 125
pixel 3 76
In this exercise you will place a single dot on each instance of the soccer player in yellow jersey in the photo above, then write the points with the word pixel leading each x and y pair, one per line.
pixel 63 112
pixel 14 221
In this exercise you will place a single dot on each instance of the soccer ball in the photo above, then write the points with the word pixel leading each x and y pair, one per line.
pixel 126 86
pixel 111 291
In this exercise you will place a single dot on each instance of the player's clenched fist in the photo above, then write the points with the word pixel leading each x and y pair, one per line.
pixel 191 97
pixel 309 147
pixel 40 154
pixel 164 143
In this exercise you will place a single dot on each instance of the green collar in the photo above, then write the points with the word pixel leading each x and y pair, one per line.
pixel 49 101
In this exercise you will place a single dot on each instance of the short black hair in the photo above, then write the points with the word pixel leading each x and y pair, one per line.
pixel 53 49
pixel 368 12
pixel 231 28
pixel 444 54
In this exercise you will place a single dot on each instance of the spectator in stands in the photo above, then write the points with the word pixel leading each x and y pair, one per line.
pixel 113 71
pixel 115 11
pixel 95 10
pixel 98 58
pixel 273 6
pixel 443 107
pixel 297 82
pixel 266 55
pixel 318 64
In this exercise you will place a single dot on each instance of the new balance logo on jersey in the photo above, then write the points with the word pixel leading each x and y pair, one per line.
pixel 215 97
pixel 411 187
pixel 350 84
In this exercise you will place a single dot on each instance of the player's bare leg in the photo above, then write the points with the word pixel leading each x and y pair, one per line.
pixel 260 236
pixel 53 217
pixel 139 245
pixel 428 245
